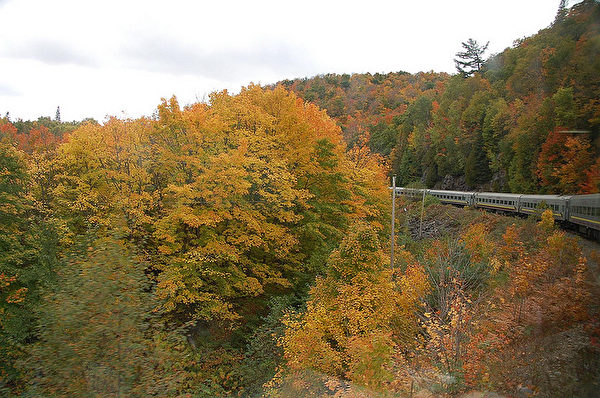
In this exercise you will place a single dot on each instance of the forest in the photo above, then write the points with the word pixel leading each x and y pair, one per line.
pixel 498 128
pixel 240 246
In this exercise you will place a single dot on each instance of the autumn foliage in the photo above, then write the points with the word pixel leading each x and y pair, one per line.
pixel 492 129
pixel 239 246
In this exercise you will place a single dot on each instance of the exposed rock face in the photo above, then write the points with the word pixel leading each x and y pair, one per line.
pixel 498 183
pixel 452 183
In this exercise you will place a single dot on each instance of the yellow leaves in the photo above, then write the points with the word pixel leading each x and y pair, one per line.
pixel 413 286
pixel 547 222
pixel 476 243
pixel 232 195
pixel 249 286
pixel 353 313
pixel 370 359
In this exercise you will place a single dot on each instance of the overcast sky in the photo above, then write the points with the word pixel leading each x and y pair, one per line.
pixel 98 58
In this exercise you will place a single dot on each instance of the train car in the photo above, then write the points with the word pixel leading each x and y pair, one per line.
pixel 535 204
pixel 584 210
pixel 410 192
pixel 497 201
pixel 453 197
pixel 579 210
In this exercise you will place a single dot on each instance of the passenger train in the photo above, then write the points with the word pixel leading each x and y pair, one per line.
pixel 582 211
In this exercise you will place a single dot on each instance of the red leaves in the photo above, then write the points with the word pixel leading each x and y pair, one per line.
pixel 566 164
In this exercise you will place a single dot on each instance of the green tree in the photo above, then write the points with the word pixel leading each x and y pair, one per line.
pixel 27 256
pixel 477 169
pixel 471 59
pixel 97 333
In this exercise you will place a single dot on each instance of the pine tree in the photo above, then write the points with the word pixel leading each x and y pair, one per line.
pixel 562 12
pixel 477 169
pixel 471 60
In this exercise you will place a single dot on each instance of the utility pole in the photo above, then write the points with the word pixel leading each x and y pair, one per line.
pixel 422 210
pixel 393 237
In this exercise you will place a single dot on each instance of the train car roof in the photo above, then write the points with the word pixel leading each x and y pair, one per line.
pixel 545 197
pixel 506 195
pixel 592 198
pixel 450 192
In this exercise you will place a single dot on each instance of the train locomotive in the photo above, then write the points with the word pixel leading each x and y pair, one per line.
pixel 580 211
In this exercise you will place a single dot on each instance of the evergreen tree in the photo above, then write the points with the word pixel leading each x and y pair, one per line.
pixel 562 11
pixel 477 170
pixel 471 59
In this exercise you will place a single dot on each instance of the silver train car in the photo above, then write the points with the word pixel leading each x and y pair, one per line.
pixel 585 210
pixel 582 211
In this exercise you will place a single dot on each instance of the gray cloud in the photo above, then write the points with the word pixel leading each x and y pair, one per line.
pixel 48 52
pixel 160 54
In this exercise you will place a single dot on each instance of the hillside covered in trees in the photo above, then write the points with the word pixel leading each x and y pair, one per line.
pixel 240 247
pixel 501 127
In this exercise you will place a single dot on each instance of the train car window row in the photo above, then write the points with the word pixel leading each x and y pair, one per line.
pixel 531 205
pixel 587 211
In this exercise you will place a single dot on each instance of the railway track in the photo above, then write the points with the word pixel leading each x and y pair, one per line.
pixel 580 213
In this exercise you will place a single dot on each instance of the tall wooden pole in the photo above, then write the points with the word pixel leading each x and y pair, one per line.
pixel 393 236
pixel 422 210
